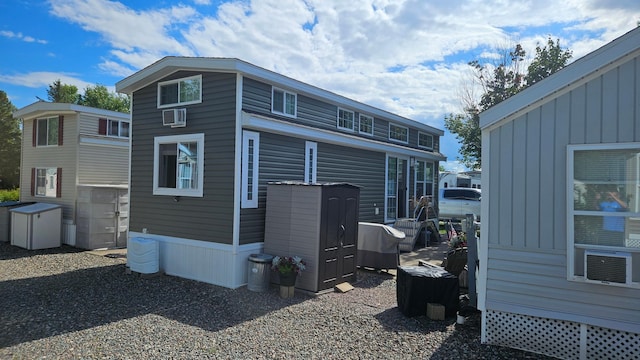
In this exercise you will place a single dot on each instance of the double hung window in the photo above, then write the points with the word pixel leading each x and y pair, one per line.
pixel 47 131
pixel 345 119
pixel 398 133
pixel 425 140
pixel 366 125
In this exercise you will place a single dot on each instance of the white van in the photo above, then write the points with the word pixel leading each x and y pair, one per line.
pixel 456 203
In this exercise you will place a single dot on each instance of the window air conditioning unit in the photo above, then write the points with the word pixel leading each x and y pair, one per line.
pixel 607 267
pixel 174 117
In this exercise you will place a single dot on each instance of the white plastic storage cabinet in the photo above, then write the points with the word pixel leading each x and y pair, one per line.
pixel 37 226
pixel 102 217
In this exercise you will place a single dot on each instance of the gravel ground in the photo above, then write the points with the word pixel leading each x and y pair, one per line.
pixel 70 304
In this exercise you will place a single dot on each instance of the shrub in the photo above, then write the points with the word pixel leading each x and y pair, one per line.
pixel 9 195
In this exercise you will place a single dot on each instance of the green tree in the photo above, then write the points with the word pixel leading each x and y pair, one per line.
pixel 62 93
pixel 498 83
pixel 10 136
pixel 548 60
pixel 99 97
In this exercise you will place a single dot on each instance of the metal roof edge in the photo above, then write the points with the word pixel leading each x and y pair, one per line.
pixel 576 72
pixel 171 64
pixel 39 107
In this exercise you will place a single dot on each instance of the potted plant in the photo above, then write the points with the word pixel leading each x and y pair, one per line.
pixel 288 268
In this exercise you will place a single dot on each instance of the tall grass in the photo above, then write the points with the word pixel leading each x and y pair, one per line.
pixel 9 195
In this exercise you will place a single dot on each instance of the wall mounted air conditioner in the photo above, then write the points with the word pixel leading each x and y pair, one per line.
pixel 174 117
pixel 607 267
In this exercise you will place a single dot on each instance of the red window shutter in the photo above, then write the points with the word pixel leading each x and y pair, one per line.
pixel 33 181
pixel 102 126
pixel 35 132
pixel 60 128
pixel 59 183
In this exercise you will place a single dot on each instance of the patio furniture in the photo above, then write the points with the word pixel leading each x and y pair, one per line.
pixel 378 246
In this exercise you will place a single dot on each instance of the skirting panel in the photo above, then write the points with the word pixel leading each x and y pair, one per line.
pixel 559 338
pixel 68 232
pixel 212 263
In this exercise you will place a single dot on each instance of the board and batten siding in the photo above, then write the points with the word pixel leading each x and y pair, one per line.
pixel 526 230
pixel 63 156
pixel 207 218
pixel 282 159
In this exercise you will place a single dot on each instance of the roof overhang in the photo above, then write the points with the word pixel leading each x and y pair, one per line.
pixel 575 74
pixel 262 123
pixel 171 64
pixel 44 108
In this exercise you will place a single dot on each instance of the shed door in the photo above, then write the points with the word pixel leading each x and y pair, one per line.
pixel 122 218
pixel 338 237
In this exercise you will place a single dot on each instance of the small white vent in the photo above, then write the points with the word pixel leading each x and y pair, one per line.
pixel 607 267
pixel 174 117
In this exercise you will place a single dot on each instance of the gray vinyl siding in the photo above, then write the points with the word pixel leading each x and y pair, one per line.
pixel 319 114
pixel 362 168
pixel 282 159
pixel 63 156
pixel 526 233
pixel 207 218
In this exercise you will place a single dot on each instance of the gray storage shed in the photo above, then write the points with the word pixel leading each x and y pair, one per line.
pixel 319 223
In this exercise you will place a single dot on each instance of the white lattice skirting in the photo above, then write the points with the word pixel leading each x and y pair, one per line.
pixel 558 338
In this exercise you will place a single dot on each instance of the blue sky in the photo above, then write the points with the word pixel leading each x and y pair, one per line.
pixel 404 56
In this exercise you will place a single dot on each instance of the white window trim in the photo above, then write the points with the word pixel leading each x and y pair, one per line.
pixel 353 122
pixel 360 121
pixel 426 165
pixel 397 140
pixel 199 138
pixel 310 164
pixel 422 146
pixel 245 202
pixel 284 104
pixel 160 84
pixel 120 122
pixel 55 189
pixel 38 131
pixel 571 245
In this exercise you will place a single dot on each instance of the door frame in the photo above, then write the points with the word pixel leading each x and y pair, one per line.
pixel 408 180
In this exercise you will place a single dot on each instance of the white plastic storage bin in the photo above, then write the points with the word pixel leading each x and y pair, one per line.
pixel 36 226
pixel 142 255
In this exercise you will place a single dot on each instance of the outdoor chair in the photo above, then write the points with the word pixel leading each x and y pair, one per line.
pixel 413 227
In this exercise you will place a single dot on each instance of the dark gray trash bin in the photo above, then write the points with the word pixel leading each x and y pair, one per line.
pixel 259 272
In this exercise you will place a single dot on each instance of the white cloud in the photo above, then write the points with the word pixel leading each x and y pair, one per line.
pixel 40 79
pixel 348 47
pixel 20 36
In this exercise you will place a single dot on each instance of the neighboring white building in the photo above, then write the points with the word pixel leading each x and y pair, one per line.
pixel 470 179
pixel 75 155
